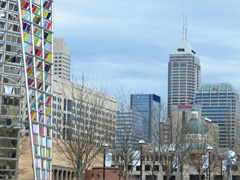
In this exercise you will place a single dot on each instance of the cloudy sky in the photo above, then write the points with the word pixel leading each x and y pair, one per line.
pixel 126 43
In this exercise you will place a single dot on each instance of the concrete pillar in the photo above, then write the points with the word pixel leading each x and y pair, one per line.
pixel 67 178
pixel 57 174
pixel 53 174
pixel 62 175
pixel 70 175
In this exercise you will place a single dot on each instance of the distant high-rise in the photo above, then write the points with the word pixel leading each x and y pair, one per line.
pixel 147 104
pixel 128 129
pixel 184 75
pixel 220 103
pixel 62 59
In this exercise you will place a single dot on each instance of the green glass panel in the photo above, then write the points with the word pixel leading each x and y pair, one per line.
pixel 37 174
pixel 39 32
pixel 37 11
pixel 49 37
pixel 38 151
pixel 33 104
pixel 46 77
pixel 36 41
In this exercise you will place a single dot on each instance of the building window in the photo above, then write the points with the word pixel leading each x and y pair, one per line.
pixel 147 167
pixel 181 50
pixel 175 64
pixel 156 168
pixel 149 177
pixel 69 105
pixel 173 177
pixel 138 168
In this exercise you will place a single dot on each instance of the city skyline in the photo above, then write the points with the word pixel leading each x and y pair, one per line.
pixel 127 43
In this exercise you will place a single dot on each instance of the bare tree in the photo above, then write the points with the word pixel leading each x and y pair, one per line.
pixel 168 141
pixel 87 121
pixel 128 134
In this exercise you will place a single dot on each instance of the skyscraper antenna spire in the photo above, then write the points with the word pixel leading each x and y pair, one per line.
pixel 186 30
pixel 183 32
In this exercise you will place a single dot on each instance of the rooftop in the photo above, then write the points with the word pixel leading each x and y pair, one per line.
pixel 217 87
pixel 184 48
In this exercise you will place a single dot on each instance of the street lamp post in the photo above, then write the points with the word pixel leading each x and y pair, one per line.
pixel 209 149
pixel 104 146
pixel 141 143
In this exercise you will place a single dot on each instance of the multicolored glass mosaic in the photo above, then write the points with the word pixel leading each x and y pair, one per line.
pixel 36 28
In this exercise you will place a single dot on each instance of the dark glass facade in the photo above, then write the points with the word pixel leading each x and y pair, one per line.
pixel 147 104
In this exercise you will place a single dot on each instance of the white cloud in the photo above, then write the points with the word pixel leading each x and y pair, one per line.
pixel 127 42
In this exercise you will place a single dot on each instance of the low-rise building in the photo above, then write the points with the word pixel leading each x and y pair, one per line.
pixel 96 173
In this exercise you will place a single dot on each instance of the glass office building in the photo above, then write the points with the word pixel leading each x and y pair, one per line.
pixel 148 105
pixel 220 103
pixel 26 55
pixel 129 125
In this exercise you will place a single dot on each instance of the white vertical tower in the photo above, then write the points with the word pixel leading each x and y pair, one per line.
pixel 184 74
pixel 62 59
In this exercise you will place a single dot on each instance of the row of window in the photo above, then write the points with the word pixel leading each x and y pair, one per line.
pixel 146 168
pixel 62 54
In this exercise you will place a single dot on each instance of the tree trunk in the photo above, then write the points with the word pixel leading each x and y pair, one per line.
pixel 168 176
pixel 199 176
pixel 153 170
pixel 80 176
pixel 153 175
pixel 126 174
pixel 181 169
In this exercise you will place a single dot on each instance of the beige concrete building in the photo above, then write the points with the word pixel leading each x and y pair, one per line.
pixel 61 169
pixel 62 59
pixel 181 114
pixel 77 108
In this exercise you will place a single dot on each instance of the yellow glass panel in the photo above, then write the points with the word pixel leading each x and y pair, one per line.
pixel 40 75
pixel 48 110
pixel 25 37
pixel 49 57
pixel 45 14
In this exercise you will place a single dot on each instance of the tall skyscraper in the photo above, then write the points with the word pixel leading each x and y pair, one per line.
pixel 62 59
pixel 148 105
pixel 26 52
pixel 220 103
pixel 184 75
